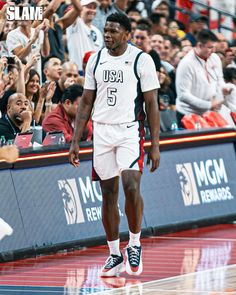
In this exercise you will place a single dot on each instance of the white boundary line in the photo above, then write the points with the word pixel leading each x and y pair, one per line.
pixel 195 239
pixel 170 279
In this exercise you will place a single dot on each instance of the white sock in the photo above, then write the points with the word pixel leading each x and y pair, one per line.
pixel 134 239
pixel 114 247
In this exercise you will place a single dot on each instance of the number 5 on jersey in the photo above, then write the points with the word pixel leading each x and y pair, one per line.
pixel 111 96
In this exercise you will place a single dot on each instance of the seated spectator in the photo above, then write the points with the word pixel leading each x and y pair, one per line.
pixel 230 79
pixel 166 97
pixel 230 58
pixel 174 30
pixel 9 153
pixel 63 116
pixel 38 95
pixel 52 68
pixel 69 76
pixel 18 117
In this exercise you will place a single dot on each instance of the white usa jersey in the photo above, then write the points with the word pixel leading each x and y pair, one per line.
pixel 120 82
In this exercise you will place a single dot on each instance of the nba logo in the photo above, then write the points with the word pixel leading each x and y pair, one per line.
pixel 188 184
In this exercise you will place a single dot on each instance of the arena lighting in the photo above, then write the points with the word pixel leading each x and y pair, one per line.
pixel 146 144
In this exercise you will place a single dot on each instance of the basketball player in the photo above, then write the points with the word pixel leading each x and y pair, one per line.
pixel 118 80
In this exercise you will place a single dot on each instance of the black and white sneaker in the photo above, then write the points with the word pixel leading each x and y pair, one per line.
pixel 114 266
pixel 134 264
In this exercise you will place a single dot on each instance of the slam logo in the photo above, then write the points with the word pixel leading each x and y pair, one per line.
pixel 19 13
pixel 204 182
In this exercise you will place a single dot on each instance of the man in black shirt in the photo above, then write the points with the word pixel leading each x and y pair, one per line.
pixel 18 117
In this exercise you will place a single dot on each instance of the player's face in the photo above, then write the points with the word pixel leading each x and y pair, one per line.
pixel 115 35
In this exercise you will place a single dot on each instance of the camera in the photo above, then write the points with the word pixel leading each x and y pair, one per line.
pixel 10 60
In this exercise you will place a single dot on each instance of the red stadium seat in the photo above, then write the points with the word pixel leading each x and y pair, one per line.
pixel 233 115
pixel 215 119
pixel 189 121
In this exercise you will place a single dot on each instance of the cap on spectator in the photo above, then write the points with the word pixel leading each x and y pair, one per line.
pixel 156 3
pixel 195 17
pixel 87 2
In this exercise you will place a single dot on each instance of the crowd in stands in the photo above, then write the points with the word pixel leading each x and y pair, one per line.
pixel 43 63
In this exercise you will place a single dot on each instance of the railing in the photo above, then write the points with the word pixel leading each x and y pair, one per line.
pixel 209 9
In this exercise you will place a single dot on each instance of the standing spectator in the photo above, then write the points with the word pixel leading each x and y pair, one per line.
pixel 63 116
pixel 105 8
pixel 199 78
pixel 15 82
pixel 117 102
pixel 83 36
pixel 25 41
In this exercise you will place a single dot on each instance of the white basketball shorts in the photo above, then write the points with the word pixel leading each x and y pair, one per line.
pixel 116 148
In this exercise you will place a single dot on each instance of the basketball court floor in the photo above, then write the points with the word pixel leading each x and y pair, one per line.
pixel 199 262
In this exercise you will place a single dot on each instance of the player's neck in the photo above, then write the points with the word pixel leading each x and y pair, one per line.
pixel 118 50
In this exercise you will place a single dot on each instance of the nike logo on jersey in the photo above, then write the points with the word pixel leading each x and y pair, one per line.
pixel 129 126
pixel 103 62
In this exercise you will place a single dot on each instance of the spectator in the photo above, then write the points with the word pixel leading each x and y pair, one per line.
pixel 52 68
pixel 63 116
pixel 199 78
pixel 83 36
pixel 38 95
pixel 14 82
pixel 197 23
pixel 159 23
pixel 137 6
pixel 58 24
pixel 230 79
pixel 186 45
pixel 8 27
pixel 25 41
pixel 69 76
pixel 157 43
pixel 222 43
pixel 229 58
pixel 18 117
pixel 162 7
pixel 166 97
pixel 10 154
pixel 104 9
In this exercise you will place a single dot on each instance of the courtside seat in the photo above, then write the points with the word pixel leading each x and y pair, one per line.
pixel 215 119
pixel 191 120
pixel 233 115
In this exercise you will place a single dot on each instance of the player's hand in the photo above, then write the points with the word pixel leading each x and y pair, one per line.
pixel 74 154
pixel 10 153
pixel 153 157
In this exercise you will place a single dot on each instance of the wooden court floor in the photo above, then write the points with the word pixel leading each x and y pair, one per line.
pixel 200 262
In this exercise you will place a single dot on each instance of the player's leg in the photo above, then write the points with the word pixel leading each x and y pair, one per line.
pixel 111 220
pixel 134 212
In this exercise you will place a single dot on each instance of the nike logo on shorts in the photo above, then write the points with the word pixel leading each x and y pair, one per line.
pixel 129 126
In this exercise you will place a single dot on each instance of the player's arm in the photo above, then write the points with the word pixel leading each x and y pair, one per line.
pixel 82 117
pixel 153 117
